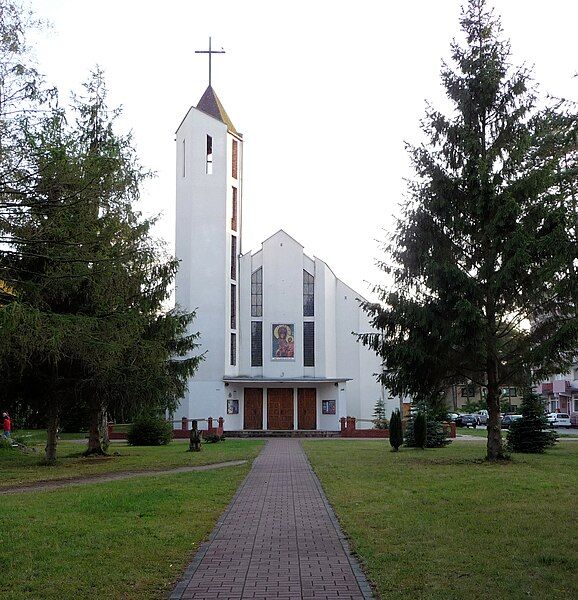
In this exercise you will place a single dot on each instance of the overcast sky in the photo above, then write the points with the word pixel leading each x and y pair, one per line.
pixel 324 92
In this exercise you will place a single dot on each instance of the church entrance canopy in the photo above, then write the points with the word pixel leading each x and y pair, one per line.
pixel 295 380
pixel 286 403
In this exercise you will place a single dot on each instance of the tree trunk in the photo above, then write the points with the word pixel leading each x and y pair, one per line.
pixel 104 427
pixel 94 431
pixel 495 449
pixel 51 435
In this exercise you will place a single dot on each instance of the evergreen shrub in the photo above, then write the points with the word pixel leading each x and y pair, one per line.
pixel 420 430
pixel 150 431
pixel 435 435
pixel 395 430
pixel 529 434
pixel 379 420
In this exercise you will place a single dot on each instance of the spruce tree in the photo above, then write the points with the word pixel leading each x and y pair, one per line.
pixel 395 430
pixel 435 434
pixel 379 420
pixel 530 434
pixel 483 261
pixel 420 430
pixel 24 99
pixel 89 327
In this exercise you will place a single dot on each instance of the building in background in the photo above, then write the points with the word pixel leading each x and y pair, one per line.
pixel 560 393
pixel 460 396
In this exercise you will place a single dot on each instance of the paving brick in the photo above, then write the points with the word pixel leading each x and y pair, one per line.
pixel 278 539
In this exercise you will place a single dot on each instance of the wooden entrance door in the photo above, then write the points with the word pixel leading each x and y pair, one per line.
pixel 280 409
pixel 253 408
pixel 307 408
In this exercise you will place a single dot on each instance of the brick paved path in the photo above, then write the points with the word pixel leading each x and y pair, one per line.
pixel 278 539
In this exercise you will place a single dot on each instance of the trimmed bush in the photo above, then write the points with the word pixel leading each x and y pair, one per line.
pixel 529 434
pixel 435 436
pixel 150 431
pixel 420 430
pixel 395 430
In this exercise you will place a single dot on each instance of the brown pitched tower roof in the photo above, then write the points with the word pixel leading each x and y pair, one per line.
pixel 210 104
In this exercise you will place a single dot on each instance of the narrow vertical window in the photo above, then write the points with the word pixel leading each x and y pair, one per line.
pixel 234 211
pixel 209 160
pixel 184 158
pixel 308 294
pixel 233 257
pixel 309 344
pixel 235 157
pixel 233 306
pixel 233 349
pixel 256 343
pixel 257 293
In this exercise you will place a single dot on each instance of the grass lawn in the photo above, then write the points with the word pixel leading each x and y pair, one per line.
pixel 444 524
pixel 38 436
pixel 484 434
pixel 475 432
pixel 17 467
pixel 124 540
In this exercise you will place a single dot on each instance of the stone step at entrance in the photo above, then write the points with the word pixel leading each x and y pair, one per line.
pixel 282 433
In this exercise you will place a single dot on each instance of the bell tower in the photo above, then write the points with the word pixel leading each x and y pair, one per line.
pixel 209 184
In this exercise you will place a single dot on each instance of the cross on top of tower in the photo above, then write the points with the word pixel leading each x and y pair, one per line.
pixel 210 52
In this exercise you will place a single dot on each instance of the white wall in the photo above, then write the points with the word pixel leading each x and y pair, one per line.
pixel 370 391
pixel 337 315
pixel 203 247
pixel 282 260
pixel 329 317
pixel 203 283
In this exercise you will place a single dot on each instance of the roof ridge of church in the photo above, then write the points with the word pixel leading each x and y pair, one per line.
pixel 287 234
pixel 313 257
pixel 211 105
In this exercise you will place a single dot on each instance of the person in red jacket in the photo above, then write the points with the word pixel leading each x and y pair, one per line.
pixel 7 425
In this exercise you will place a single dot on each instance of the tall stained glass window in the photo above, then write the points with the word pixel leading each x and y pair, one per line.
pixel 233 306
pixel 233 349
pixel 309 344
pixel 234 210
pixel 256 343
pixel 308 294
pixel 257 293
pixel 233 257
pixel 235 159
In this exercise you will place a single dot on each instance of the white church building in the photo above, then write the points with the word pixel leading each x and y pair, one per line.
pixel 276 325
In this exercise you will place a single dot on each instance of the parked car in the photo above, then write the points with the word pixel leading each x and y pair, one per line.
pixel 451 417
pixel 482 416
pixel 559 420
pixel 507 420
pixel 467 421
